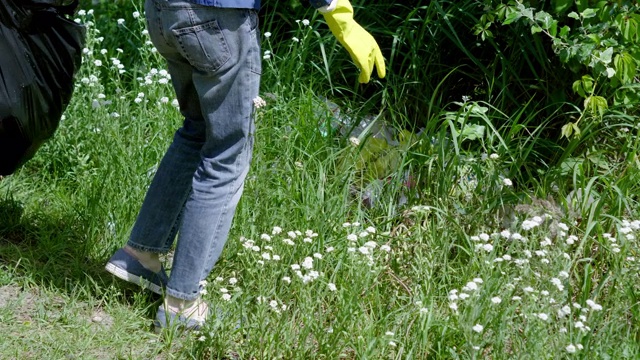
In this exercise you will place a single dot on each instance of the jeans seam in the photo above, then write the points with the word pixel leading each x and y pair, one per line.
pixel 146 248
pixel 224 211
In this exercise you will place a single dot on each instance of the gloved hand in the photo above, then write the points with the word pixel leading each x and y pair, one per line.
pixel 362 47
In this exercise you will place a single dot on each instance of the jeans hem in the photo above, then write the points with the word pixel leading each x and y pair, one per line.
pixel 181 295
pixel 147 248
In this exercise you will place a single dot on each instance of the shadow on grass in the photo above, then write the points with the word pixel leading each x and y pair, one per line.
pixel 52 250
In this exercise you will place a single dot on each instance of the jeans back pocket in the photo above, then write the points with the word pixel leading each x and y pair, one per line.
pixel 203 45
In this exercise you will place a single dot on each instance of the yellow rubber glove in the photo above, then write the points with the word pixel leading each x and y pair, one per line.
pixel 362 47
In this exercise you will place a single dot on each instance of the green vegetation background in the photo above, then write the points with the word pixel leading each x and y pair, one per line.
pixel 492 114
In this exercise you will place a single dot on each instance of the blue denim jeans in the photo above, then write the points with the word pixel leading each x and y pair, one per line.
pixel 213 56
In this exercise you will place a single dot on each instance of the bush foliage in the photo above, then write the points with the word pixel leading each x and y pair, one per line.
pixel 555 78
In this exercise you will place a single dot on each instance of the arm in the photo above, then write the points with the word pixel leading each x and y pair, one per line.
pixel 362 47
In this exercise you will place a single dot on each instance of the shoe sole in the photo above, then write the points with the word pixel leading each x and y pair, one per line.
pixel 158 328
pixel 166 320
pixel 178 324
pixel 134 279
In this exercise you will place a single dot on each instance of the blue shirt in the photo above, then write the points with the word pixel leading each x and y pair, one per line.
pixel 249 4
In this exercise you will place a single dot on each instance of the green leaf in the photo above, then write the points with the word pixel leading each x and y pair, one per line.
pixel 476 109
pixel 598 160
pixel 553 29
pixel 574 15
pixel 576 130
pixel 610 72
pixel 627 97
pixel 569 165
pixel 578 89
pixel 511 17
pixel 564 31
pixel 570 129
pixel 584 86
pixel 560 6
pixel 535 29
pixel 629 26
pixel 500 11
pixel 605 56
pixel 544 19
pixel 472 132
pixel 596 105
pixel 625 67
pixel 588 13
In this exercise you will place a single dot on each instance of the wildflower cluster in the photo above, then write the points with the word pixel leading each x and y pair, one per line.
pixel 532 268
pixel 360 242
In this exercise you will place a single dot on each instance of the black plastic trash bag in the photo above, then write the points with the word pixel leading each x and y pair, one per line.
pixel 40 52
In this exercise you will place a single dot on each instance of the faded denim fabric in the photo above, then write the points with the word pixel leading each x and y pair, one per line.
pixel 213 56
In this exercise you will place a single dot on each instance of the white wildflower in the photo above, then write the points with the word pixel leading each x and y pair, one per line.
pixel 592 304
pixel 259 102
pixel 371 244
pixel 471 286
pixel 307 263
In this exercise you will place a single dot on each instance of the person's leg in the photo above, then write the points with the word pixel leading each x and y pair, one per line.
pixel 159 218
pixel 221 46
pixel 226 59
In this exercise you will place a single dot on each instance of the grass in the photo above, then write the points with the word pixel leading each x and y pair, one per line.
pixel 450 242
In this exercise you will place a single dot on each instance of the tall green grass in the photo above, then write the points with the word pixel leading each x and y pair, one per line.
pixel 344 245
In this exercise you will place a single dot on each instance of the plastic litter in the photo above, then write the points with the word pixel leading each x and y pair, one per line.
pixel 41 52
